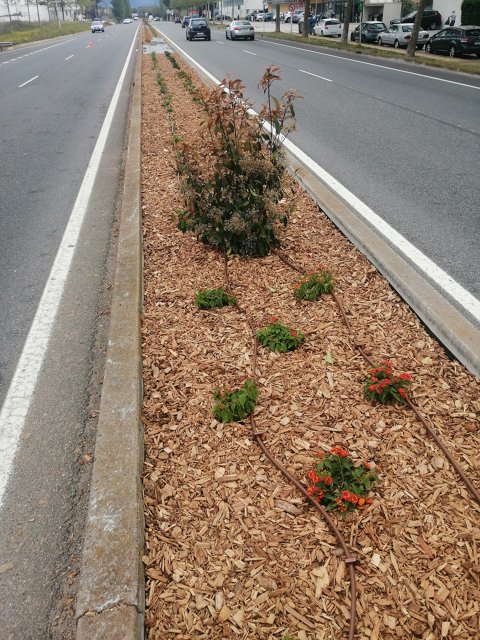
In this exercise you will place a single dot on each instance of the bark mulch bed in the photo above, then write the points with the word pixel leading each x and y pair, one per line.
pixel 232 551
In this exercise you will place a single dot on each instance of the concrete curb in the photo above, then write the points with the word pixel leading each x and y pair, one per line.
pixel 111 599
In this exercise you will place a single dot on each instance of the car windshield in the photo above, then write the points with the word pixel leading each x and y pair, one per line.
pixel 332 22
pixel 199 23
pixel 407 28
pixel 244 23
pixel 376 27
pixel 472 32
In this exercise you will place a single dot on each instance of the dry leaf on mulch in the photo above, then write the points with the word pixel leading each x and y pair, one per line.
pixel 232 551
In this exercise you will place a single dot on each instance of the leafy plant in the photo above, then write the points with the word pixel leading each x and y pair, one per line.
pixel 172 59
pixel 234 406
pixel 311 287
pixel 154 59
pixel 384 387
pixel 470 12
pixel 336 483
pixel 235 203
pixel 213 298
pixel 278 337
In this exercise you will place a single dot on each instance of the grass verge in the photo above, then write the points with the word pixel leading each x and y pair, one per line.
pixel 22 33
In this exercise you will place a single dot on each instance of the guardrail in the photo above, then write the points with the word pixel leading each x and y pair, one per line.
pixel 5 45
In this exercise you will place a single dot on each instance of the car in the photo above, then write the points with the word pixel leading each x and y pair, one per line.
pixel 399 35
pixel 252 15
pixel 97 25
pixel 369 31
pixel 264 16
pixel 178 20
pixel 431 19
pixel 127 21
pixel 198 28
pixel 294 16
pixel 240 29
pixel 156 19
pixel 328 27
pixel 456 41
pixel 186 20
pixel 220 18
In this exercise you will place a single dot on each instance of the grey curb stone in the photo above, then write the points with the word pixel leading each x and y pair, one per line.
pixel 111 598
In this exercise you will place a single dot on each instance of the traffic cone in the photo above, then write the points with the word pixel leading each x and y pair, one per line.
pixel 90 45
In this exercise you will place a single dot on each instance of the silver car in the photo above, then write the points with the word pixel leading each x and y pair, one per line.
pixel 399 35
pixel 240 29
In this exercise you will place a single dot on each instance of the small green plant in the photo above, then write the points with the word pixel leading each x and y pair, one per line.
pixel 337 484
pixel 213 298
pixel 172 59
pixel 161 84
pixel 311 287
pixel 384 387
pixel 154 59
pixel 234 406
pixel 278 337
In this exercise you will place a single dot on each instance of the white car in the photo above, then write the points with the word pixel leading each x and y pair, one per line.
pixel 399 35
pixel 240 29
pixel 127 21
pixel 97 25
pixel 328 27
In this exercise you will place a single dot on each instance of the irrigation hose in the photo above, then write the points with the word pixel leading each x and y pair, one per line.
pixel 473 491
pixel 257 436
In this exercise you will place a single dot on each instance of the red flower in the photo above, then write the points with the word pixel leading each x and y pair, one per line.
pixel 345 495
pixel 320 495
pixel 274 319
pixel 328 480
pixel 313 477
pixel 311 490
pixel 367 466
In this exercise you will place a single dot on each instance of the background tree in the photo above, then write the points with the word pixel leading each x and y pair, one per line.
pixel 121 9
pixel 346 22
pixel 412 44
pixel 470 12
pixel 306 15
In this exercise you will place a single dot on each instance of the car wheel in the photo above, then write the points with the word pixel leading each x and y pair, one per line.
pixel 433 26
pixel 209 38
pixel 321 33
pixel 428 48
pixel 352 38
pixel 478 54
pixel 379 42
pixel 226 35
pixel 252 37
pixel 364 39
pixel 396 44
pixel 452 52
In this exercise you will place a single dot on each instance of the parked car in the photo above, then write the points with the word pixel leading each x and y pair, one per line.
pixel 370 31
pixel 220 18
pixel 264 16
pixel 399 35
pixel 294 16
pixel 198 28
pixel 127 21
pixel 186 20
pixel 97 25
pixel 252 15
pixel 328 27
pixel 431 19
pixel 178 20
pixel 240 29
pixel 455 41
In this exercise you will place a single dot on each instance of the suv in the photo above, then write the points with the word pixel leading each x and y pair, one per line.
pixel 97 25
pixel 370 31
pixel 455 41
pixel 198 28
pixel 431 20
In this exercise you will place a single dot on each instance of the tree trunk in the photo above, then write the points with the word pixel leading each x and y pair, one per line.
pixel 346 22
pixel 306 15
pixel 277 19
pixel 412 45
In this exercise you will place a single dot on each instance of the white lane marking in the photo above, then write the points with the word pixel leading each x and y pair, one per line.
pixel 315 75
pixel 442 280
pixel 22 387
pixel 28 82
pixel 379 66
pixel 68 57
pixel 249 52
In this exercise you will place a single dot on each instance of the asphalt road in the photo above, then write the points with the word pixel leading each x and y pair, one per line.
pixel 404 139
pixel 55 105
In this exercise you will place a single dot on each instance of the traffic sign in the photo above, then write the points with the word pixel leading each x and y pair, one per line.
pixel 291 7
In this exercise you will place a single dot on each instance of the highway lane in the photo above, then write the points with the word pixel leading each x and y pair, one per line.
pixel 60 172
pixel 404 139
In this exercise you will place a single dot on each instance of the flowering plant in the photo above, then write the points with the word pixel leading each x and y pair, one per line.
pixel 213 298
pixel 336 483
pixel 234 406
pixel 278 337
pixel 383 386
pixel 312 286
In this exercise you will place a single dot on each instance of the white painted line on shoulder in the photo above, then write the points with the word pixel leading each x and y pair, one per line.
pixel 316 76
pixel 249 52
pixel 28 82
pixel 20 393
pixel 378 66
pixel 68 57
pixel 442 280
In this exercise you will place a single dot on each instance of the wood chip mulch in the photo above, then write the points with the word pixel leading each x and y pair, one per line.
pixel 232 551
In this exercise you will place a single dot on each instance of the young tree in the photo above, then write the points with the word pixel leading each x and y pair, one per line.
pixel 346 22
pixel 412 45
pixel 306 15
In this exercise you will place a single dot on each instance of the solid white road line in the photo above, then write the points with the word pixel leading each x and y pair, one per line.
pixel 316 76
pixel 442 280
pixel 28 82
pixel 20 393
pixel 68 58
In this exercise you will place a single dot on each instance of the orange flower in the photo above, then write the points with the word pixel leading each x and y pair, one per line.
pixel 345 495
pixel 367 465
pixel 320 495
pixel 311 490
pixel 361 502
pixel 328 480
pixel 313 477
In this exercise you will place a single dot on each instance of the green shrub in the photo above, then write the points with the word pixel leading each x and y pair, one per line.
pixel 312 287
pixel 233 204
pixel 234 406
pixel 213 298
pixel 278 337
